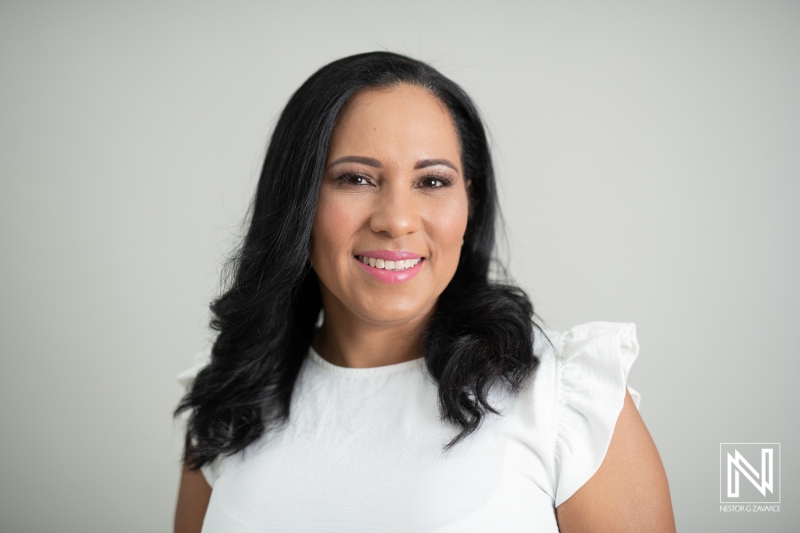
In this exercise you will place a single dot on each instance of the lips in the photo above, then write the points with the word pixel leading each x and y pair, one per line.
pixel 390 255
pixel 391 276
pixel 388 265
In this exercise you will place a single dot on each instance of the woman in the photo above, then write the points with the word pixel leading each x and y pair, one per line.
pixel 427 399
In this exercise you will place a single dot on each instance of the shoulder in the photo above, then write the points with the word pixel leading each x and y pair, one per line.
pixel 185 378
pixel 596 339
pixel 576 397
pixel 598 444
pixel 592 339
pixel 592 357
pixel 199 361
pixel 629 491
pixel 603 447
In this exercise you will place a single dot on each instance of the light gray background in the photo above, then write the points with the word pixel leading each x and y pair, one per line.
pixel 648 157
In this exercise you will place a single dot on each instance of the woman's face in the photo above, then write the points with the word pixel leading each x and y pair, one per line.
pixel 393 195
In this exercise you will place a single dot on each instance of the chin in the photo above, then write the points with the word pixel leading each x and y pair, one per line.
pixel 397 313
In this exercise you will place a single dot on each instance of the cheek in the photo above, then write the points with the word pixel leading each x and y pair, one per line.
pixel 335 223
pixel 446 226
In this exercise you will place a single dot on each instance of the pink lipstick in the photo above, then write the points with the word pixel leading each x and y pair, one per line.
pixel 390 255
pixel 377 258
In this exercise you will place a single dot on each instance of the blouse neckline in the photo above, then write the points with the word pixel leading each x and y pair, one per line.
pixel 363 372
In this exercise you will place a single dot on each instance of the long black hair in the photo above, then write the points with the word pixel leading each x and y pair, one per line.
pixel 482 331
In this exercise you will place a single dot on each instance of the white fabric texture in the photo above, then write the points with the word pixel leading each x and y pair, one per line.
pixel 362 450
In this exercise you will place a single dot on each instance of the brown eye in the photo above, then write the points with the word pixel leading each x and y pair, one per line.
pixel 352 179
pixel 435 182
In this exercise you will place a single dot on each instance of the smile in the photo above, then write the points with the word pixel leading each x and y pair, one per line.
pixel 397 271
pixel 395 266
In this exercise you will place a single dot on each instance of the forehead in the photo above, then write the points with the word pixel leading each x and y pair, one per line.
pixel 402 122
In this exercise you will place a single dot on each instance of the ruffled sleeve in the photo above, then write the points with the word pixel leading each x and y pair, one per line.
pixel 592 364
pixel 212 470
pixel 186 378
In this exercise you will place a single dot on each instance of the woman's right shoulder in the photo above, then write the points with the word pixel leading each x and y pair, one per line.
pixel 200 360
pixel 211 471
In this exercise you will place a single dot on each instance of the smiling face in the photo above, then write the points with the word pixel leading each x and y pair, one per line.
pixel 393 196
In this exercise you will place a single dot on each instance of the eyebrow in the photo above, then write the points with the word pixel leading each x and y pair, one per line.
pixel 357 159
pixel 423 163
pixel 433 162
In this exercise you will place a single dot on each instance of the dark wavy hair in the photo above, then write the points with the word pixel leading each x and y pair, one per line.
pixel 482 331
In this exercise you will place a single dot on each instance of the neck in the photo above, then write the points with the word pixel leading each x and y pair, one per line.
pixel 350 341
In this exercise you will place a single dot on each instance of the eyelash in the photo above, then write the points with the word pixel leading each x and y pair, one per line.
pixel 446 182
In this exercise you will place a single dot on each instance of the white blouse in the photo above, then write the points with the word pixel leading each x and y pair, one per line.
pixel 362 450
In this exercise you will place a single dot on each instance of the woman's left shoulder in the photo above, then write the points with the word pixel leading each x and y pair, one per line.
pixel 591 363
pixel 602 445
pixel 605 350
pixel 569 411
pixel 592 357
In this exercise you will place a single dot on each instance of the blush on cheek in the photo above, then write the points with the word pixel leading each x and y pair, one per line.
pixel 447 228
pixel 335 224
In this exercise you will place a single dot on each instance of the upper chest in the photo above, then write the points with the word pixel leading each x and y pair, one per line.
pixel 370 451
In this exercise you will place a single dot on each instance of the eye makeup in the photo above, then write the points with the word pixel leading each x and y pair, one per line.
pixel 349 178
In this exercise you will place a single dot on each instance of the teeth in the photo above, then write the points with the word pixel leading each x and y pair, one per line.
pixel 388 265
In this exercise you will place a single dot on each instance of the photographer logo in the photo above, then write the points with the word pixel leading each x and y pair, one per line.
pixel 750 473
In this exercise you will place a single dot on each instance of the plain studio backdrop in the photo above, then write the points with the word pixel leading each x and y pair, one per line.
pixel 648 157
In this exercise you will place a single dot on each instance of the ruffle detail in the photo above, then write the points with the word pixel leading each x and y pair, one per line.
pixel 201 359
pixel 592 363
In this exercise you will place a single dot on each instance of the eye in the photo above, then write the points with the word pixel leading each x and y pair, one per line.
pixel 435 182
pixel 353 179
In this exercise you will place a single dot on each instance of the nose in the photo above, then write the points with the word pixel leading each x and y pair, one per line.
pixel 395 212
